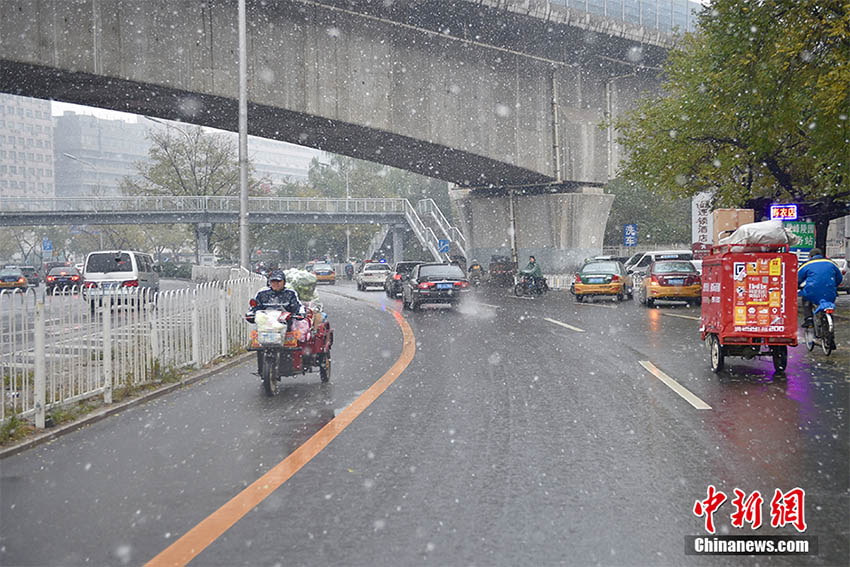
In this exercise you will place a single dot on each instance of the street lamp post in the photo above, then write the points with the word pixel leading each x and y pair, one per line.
pixel 97 185
pixel 347 197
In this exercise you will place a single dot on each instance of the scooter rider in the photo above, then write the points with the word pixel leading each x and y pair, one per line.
pixel 534 272
pixel 819 278
pixel 475 270
pixel 276 296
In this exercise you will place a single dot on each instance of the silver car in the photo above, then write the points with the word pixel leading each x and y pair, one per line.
pixel 372 274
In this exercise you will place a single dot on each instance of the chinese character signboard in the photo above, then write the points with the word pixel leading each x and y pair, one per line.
pixel 805 230
pixel 702 225
pixel 630 235
pixel 783 212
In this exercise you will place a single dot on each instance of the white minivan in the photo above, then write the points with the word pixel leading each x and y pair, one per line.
pixel 640 265
pixel 118 274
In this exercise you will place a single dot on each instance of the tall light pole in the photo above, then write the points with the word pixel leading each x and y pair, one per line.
pixel 97 185
pixel 347 197
pixel 243 140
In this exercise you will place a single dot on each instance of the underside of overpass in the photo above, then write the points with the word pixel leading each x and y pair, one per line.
pixel 477 93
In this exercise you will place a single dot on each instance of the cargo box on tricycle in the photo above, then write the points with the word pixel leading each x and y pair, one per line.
pixel 749 302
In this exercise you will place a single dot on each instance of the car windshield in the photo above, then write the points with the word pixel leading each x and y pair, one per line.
pixel 10 272
pixel 109 262
pixel 405 268
pixel 322 267
pixel 673 267
pixel 601 268
pixel 377 268
pixel 448 272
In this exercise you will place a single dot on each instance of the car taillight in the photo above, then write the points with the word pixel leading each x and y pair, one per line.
pixel 90 284
pixel 22 280
pixel 653 279
pixel 131 283
pixel 426 285
pixel 74 278
pixel 397 277
pixel 461 284
pixel 578 278
pixel 51 278
pixel 615 278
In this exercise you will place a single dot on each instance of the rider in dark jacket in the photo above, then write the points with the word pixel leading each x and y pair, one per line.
pixel 276 296
pixel 820 278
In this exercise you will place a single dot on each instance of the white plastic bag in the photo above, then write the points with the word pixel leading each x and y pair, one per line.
pixel 765 232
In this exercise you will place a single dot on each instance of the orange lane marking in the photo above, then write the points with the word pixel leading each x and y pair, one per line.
pixel 201 536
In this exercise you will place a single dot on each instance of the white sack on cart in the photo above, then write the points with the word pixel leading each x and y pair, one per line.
pixel 765 232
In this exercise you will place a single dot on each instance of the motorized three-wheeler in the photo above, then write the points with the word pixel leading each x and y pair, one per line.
pixel 749 302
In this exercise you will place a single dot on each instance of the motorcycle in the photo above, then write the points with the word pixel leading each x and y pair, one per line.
pixel 526 285
pixel 475 278
pixel 287 345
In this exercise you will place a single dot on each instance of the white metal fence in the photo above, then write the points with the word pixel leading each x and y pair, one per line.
pixel 59 348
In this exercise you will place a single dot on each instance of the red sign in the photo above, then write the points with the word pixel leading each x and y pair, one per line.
pixel 700 250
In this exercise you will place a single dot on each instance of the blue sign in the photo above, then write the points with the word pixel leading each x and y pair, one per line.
pixel 630 235
pixel 443 246
pixel 783 212
pixel 46 245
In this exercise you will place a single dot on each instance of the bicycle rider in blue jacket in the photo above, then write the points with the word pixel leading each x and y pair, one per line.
pixel 820 278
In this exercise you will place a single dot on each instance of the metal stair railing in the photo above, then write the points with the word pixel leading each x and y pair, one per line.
pixel 429 207
pixel 377 240
pixel 423 233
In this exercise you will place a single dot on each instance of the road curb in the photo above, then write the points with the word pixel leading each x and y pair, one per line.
pixel 103 413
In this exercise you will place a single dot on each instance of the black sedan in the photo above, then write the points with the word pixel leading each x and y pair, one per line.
pixel 434 283
pixel 395 279
pixel 59 279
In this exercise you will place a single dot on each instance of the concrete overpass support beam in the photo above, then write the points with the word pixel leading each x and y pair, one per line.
pixel 559 229
pixel 398 243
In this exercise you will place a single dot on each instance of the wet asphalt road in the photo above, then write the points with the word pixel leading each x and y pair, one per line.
pixel 509 440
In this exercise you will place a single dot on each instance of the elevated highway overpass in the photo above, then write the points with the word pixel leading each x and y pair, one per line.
pixel 480 93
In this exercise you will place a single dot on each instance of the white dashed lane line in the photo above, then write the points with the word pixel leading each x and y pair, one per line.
pixel 596 305
pixel 562 324
pixel 675 386
pixel 691 317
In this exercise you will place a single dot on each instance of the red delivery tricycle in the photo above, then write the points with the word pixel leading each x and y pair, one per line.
pixel 749 302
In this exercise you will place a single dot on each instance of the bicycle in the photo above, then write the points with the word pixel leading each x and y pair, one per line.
pixel 822 329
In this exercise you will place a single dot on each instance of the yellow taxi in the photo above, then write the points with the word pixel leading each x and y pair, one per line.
pixel 324 272
pixel 671 280
pixel 13 278
pixel 603 278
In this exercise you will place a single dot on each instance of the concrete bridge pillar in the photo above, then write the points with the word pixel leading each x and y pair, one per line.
pixel 203 231
pixel 398 242
pixel 559 229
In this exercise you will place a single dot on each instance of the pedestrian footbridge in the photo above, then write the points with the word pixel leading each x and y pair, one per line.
pixel 425 219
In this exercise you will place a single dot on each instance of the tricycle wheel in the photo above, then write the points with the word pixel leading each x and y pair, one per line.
pixel 780 357
pixel 716 353
pixel 518 290
pixel 270 384
pixel 325 366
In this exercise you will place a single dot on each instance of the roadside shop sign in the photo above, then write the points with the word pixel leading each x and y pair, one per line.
pixel 702 223
pixel 630 235
pixel 783 212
